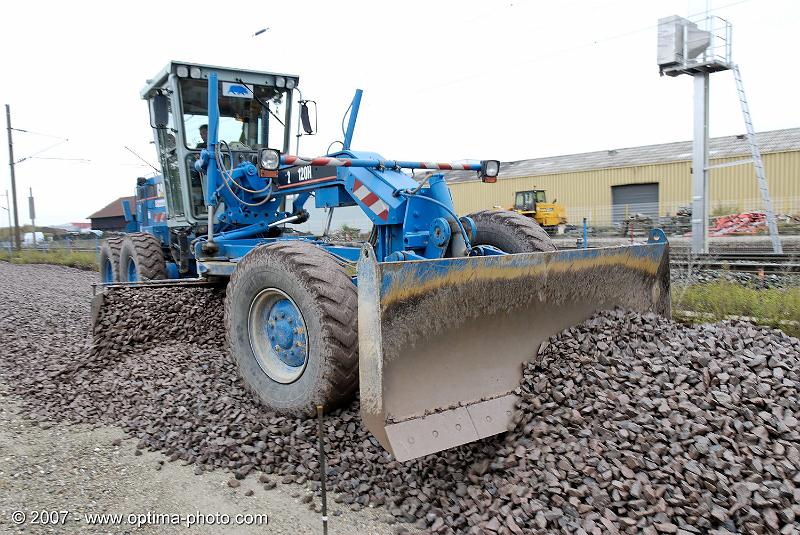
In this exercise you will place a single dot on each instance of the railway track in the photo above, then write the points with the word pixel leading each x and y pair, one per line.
pixel 749 262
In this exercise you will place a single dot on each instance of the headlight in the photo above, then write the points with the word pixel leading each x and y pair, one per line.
pixel 280 81
pixel 195 72
pixel 270 159
pixel 182 71
pixel 291 83
pixel 489 170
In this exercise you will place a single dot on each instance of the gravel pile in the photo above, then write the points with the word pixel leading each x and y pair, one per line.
pixel 626 423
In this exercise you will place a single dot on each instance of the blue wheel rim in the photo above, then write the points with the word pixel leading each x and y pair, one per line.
pixel 132 275
pixel 278 335
pixel 108 271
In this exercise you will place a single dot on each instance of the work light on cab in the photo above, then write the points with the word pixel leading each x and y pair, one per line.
pixel 270 159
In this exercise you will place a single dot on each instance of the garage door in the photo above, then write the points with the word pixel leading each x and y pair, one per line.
pixel 633 199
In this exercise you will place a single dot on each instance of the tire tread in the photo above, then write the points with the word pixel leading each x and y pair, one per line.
pixel 528 235
pixel 337 299
pixel 110 249
pixel 148 254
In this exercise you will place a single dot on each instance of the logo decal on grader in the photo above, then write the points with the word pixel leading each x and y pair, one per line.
pixel 236 90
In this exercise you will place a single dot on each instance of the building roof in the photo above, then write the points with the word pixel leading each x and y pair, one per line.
pixel 114 208
pixel 73 227
pixel 719 147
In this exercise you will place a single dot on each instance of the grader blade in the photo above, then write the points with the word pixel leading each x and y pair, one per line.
pixel 442 342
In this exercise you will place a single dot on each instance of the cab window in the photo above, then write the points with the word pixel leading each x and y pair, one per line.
pixel 524 200
pixel 251 116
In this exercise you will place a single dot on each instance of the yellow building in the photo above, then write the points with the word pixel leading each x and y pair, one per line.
pixel 654 180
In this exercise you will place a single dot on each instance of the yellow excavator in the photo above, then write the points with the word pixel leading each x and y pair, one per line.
pixel 551 216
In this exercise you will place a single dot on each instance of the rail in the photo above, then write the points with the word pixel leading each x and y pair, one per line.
pixel 739 261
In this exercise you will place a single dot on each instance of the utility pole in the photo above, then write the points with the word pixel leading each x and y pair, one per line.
pixel 32 211
pixel 7 208
pixel 700 165
pixel 17 241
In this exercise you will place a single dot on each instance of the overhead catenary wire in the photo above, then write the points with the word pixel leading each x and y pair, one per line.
pixel 569 50
pixel 33 156
pixel 138 156
pixel 82 160
pixel 39 134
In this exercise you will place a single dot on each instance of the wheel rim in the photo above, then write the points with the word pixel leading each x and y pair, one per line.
pixel 132 275
pixel 108 271
pixel 278 335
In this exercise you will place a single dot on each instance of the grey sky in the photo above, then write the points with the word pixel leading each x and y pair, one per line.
pixel 442 80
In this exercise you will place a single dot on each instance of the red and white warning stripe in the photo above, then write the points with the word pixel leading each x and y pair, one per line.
pixel 290 159
pixel 322 161
pixel 372 201
pixel 446 166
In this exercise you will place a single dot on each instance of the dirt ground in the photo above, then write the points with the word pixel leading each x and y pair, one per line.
pixel 71 472
pixel 78 471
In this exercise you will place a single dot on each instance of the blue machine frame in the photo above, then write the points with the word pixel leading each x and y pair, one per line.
pixel 420 278
pixel 150 212
pixel 413 221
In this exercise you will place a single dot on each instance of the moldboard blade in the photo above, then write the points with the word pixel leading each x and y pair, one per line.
pixel 442 342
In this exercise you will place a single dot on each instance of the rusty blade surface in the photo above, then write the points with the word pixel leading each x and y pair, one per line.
pixel 442 342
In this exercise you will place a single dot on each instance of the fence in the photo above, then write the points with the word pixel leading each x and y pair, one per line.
pixel 67 245
pixel 53 247
pixel 675 217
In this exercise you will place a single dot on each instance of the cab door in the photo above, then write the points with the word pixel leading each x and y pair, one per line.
pixel 163 122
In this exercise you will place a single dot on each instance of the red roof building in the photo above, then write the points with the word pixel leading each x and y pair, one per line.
pixel 111 218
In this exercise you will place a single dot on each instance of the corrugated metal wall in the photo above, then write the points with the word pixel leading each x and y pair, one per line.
pixel 588 193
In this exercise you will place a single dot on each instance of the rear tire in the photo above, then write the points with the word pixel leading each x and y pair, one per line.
pixel 510 232
pixel 141 258
pixel 109 260
pixel 310 286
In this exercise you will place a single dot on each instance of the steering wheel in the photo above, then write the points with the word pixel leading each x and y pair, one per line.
pixel 238 146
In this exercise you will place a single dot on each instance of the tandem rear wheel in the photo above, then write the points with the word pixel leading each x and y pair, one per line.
pixel 109 260
pixel 141 258
pixel 291 323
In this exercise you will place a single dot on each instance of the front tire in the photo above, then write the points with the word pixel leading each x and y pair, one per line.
pixel 141 258
pixel 291 323
pixel 510 232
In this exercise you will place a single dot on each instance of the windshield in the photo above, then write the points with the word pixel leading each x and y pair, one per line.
pixel 524 200
pixel 245 120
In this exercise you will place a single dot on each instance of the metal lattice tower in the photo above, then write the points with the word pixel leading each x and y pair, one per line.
pixel 758 164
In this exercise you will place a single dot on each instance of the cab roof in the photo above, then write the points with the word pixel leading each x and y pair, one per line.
pixel 201 71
